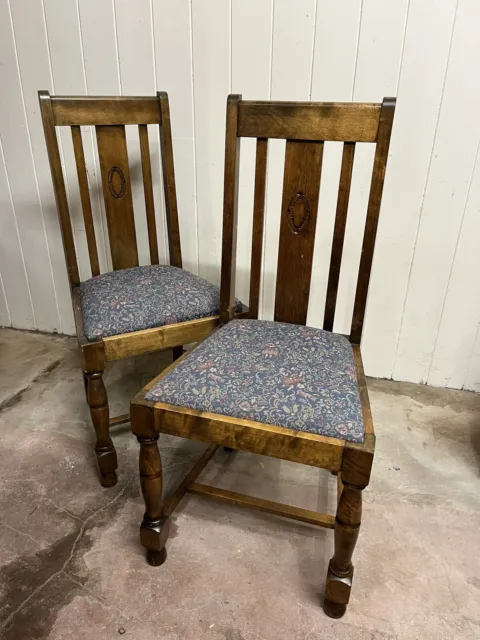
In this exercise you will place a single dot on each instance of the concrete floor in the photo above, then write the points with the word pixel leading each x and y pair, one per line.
pixel 71 566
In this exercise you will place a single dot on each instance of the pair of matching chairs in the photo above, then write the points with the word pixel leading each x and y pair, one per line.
pixel 277 388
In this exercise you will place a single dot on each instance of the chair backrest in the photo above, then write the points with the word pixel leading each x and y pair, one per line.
pixel 109 115
pixel 305 126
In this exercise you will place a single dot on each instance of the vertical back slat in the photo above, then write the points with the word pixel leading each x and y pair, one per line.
pixel 173 227
pixel 339 234
pixel 148 189
pixel 59 187
pixel 258 223
pixel 301 185
pixel 117 193
pixel 373 211
pixel 230 204
pixel 85 199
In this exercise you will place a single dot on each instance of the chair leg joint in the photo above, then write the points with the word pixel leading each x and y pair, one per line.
pixel 154 533
pixel 338 587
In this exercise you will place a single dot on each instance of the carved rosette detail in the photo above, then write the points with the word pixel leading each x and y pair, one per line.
pixel 298 213
pixel 117 184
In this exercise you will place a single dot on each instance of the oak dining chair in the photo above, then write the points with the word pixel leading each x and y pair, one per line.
pixel 278 388
pixel 133 309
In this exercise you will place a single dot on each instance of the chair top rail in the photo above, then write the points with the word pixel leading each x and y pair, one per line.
pixel 315 121
pixel 105 110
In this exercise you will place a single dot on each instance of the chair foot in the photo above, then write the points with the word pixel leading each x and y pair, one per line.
pixel 156 558
pixel 108 479
pixel 153 536
pixel 334 609
pixel 107 464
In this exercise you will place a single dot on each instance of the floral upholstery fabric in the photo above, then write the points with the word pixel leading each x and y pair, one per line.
pixel 281 374
pixel 145 297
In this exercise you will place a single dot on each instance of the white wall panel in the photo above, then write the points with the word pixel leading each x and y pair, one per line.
pixel 17 151
pixel 35 74
pixel 418 106
pixel 335 53
pixel 171 24
pixel 449 178
pixel 251 48
pixel 423 313
pixel 472 378
pixel 293 40
pixel 461 311
pixel 211 72
pixel 5 319
pixel 12 265
pixel 99 44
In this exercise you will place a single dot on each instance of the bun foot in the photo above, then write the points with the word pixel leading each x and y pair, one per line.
pixel 156 558
pixel 334 609
pixel 109 479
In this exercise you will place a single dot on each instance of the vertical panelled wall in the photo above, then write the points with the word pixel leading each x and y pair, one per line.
pixel 424 304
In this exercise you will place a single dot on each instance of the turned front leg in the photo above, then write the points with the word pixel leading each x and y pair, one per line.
pixel 104 449
pixel 340 569
pixel 155 526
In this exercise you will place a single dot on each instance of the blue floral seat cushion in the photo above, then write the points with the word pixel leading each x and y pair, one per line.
pixel 145 297
pixel 281 374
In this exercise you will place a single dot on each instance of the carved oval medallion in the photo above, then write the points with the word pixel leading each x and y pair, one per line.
pixel 116 182
pixel 298 213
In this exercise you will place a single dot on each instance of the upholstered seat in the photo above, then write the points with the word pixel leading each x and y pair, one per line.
pixel 281 374
pixel 144 297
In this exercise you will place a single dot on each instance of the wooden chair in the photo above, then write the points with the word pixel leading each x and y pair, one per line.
pixel 122 313
pixel 308 383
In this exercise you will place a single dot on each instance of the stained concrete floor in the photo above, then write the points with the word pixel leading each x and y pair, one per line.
pixel 71 566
